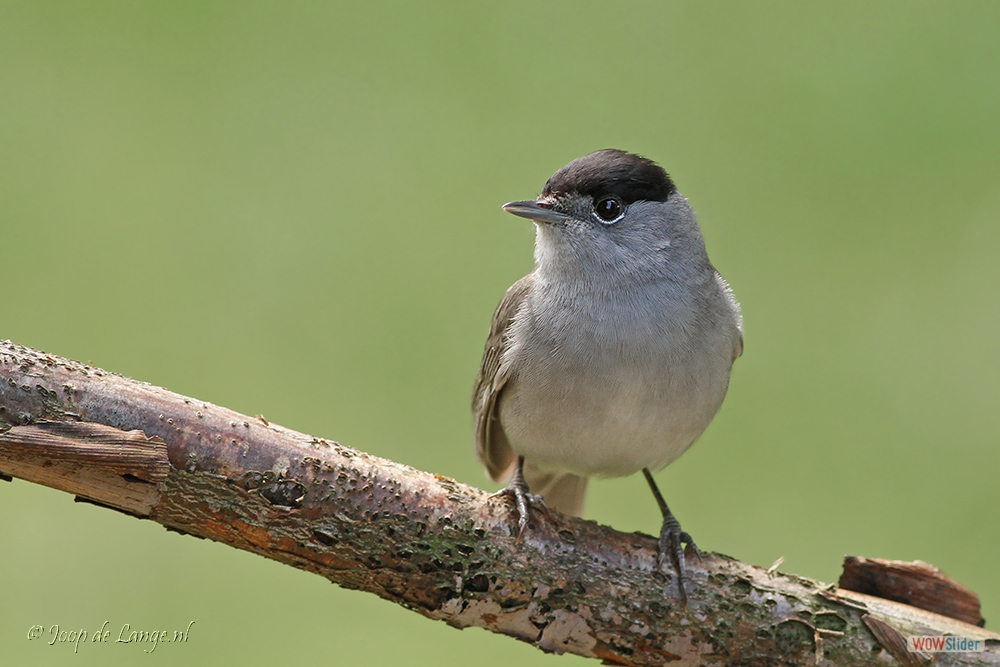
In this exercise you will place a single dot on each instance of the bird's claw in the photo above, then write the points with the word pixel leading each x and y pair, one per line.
pixel 669 546
pixel 523 502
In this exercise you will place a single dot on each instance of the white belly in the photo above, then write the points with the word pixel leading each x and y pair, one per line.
pixel 598 409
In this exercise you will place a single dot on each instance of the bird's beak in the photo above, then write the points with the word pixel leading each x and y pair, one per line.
pixel 535 210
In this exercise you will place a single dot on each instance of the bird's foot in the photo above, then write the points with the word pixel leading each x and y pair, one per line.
pixel 671 539
pixel 524 500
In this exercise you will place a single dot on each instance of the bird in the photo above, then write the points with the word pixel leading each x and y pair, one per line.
pixel 613 355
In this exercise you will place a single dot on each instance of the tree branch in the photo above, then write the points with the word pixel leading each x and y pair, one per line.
pixel 440 548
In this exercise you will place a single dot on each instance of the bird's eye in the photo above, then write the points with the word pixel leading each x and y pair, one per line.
pixel 608 209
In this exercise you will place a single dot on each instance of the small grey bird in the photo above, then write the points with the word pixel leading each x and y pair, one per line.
pixel 613 354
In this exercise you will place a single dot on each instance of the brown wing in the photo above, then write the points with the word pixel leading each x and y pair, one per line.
pixel 492 448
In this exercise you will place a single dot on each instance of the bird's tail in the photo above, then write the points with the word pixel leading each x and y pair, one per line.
pixel 562 491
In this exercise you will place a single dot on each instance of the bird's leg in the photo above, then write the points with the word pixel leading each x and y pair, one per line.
pixel 523 499
pixel 671 538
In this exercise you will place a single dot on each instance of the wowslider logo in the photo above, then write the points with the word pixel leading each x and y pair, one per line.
pixel 944 645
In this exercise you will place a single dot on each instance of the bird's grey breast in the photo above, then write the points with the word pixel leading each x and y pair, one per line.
pixel 608 381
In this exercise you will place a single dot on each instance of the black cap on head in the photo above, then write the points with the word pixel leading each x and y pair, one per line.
pixel 610 172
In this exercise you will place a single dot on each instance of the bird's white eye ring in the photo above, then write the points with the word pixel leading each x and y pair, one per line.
pixel 609 210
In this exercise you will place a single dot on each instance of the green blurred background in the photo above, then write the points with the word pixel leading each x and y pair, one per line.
pixel 294 209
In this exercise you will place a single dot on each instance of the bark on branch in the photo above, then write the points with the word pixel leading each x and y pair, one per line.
pixel 440 548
